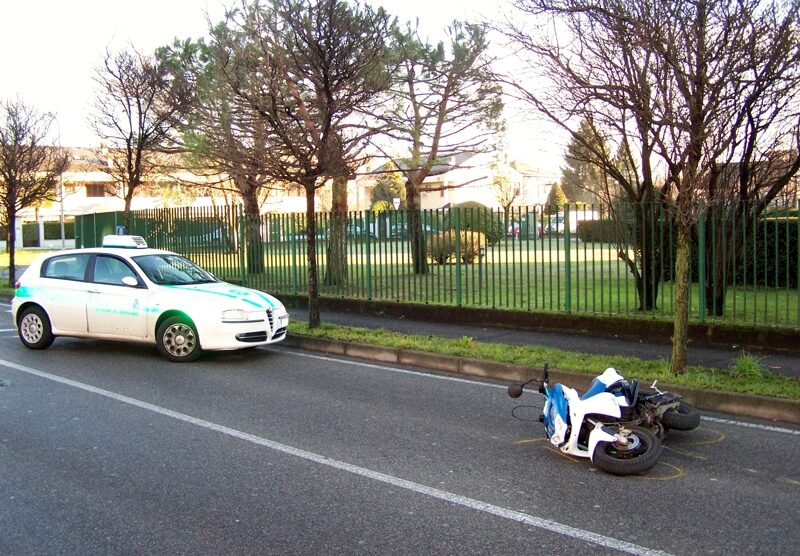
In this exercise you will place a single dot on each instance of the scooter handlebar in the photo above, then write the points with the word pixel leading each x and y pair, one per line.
pixel 515 390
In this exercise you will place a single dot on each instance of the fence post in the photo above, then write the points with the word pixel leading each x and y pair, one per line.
pixel 458 257
pixel 567 261
pixel 295 240
pixel 368 270
pixel 242 244
pixel 701 263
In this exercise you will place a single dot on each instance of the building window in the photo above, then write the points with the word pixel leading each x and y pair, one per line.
pixel 95 190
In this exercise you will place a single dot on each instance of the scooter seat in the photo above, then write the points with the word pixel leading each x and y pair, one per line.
pixel 631 391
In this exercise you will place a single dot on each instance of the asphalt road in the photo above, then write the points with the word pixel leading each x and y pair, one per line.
pixel 107 449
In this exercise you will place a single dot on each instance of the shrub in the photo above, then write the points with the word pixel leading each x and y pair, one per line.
pixel 596 231
pixel 770 254
pixel 30 234
pixel 52 230
pixel 441 247
pixel 471 243
pixel 477 217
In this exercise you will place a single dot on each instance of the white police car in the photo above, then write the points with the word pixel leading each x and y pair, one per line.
pixel 126 291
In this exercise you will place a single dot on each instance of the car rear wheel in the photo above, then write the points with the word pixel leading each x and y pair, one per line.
pixel 34 328
pixel 177 340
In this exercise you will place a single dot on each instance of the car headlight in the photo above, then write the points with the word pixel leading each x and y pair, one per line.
pixel 235 315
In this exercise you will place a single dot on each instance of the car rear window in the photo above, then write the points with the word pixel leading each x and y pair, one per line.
pixel 66 267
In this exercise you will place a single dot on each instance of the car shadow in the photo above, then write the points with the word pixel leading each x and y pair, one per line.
pixel 77 347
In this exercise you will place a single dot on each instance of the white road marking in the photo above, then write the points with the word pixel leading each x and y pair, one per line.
pixel 384 367
pixel 497 511
pixel 751 425
pixel 489 385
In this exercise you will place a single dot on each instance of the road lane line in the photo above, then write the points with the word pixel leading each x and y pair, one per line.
pixel 487 384
pixel 385 368
pixel 751 425
pixel 457 499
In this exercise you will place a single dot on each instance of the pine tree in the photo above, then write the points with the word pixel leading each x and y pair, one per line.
pixel 556 199
pixel 581 179
pixel 389 185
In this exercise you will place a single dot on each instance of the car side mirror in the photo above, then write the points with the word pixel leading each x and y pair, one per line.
pixel 130 281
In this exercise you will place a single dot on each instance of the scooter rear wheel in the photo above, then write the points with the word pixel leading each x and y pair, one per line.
pixel 684 418
pixel 638 455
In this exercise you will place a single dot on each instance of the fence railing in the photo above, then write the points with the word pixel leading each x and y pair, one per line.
pixel 603 260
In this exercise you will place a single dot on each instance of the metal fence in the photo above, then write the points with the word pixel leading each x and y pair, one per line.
pixel 601 260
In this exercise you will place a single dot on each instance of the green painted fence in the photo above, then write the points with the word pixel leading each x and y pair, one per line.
pixel 602 260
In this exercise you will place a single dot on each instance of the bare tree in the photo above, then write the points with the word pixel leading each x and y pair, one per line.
pixel 444 103
pixel 506 191
pixel 29 170
pixel 663 80
pixel 762 155
pixel 135 112
pixel 308 70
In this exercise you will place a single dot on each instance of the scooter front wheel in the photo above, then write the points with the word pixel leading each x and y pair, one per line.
pixel 638 454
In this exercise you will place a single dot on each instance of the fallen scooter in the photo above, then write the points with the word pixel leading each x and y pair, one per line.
pixel 653 409
pixel 591 427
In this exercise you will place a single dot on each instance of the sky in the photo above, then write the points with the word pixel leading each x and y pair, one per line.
pixel 51 49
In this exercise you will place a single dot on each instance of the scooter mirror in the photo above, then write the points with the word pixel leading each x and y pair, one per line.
pixel 514 390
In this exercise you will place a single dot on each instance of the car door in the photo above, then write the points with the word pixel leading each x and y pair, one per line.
pixel 113 307
pixel 61 290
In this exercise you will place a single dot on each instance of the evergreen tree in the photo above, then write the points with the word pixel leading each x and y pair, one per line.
pixel 390 185
pixel 556 199
pixel 582 179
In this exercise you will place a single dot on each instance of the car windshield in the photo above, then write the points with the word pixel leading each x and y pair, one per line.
pixel 172 270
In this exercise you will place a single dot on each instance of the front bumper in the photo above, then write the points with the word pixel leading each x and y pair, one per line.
pixel 236 335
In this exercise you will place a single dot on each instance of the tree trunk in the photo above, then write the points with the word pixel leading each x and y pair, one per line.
pixel 126 214
pixel 11 238
pixel 722 247
pixel 648 281
pixel 650 249
pixel 641 231
pixel 336 272
pixel 680 334
pixel 311 254
pixel 719 266
pixel 254 243
pixel 416 237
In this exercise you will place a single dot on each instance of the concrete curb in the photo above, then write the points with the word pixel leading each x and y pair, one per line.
pixel 745 405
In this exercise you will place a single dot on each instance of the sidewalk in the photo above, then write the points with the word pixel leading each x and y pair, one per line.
pixel 710 356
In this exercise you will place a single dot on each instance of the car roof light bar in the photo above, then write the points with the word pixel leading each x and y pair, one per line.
pixel 125 242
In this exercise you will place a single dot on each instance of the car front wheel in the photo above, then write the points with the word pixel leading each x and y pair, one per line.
pixel 34 328
pixel 177 340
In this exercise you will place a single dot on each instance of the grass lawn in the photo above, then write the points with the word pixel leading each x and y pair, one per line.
pixel 518 275
pixel 22 257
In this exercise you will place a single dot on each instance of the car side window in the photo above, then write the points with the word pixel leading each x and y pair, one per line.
pixel 110 270
pixel 66 267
